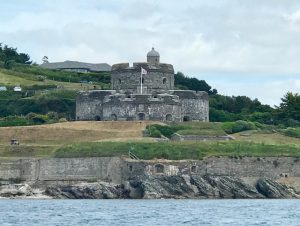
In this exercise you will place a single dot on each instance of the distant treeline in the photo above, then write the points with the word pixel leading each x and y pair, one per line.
pixel 9 56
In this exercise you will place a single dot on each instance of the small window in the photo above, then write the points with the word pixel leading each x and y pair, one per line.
pixel 193 169
pixel 120 81
pixel 143 80
pixel 130 168
pixel 164 81
pixel 159 168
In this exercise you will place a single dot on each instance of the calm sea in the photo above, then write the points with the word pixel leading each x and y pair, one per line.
pixel 150 212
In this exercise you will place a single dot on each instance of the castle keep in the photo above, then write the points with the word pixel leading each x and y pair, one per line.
pixel 143 91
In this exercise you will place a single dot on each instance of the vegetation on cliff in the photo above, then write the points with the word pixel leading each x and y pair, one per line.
pixel 177 150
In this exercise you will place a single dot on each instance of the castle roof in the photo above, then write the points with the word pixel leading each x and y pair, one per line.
pixel 153 53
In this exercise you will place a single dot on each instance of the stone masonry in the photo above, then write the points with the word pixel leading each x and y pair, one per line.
pixel 150 96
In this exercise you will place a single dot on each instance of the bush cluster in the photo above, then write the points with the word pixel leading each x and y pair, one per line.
pixel 238 126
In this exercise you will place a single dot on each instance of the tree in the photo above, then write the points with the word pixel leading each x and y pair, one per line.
pixel 184 82
pixel 289 108
pixel 9 55
pixel 24 58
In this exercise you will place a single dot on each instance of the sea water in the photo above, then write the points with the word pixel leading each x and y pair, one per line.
pixel 150 212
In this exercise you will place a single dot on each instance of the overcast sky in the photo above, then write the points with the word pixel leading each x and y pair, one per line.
pixel 240 47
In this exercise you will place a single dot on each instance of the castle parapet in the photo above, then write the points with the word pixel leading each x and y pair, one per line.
pixel 120 66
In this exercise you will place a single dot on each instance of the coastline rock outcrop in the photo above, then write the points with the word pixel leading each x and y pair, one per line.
pixel 99 190
pixel 158 187
pixel 194 187
pixel 274 190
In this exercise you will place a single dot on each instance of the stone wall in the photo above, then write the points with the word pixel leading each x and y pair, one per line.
pixel 194 105
pixel 178 137
pixel 117 170
pixel 89 104
pixel 158 78
pixel 62 169
pixel 271 167
pixel 142 107
pixel 173 106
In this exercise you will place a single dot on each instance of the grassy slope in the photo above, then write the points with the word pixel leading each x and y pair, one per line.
pixel 82 139
pixel 178 150
pixel 12 80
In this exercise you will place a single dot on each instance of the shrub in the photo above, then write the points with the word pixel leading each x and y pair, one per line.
pixel 167 131
pixel 238 126
pixel 291 132
pixel 37 118
pixel 62 120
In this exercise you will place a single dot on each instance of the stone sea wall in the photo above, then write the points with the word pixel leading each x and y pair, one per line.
pixel 113 177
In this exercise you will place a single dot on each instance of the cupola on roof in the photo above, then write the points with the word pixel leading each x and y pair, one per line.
pixel 153 53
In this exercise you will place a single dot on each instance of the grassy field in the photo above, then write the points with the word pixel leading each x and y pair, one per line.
pixel 91 139
pixel 72 132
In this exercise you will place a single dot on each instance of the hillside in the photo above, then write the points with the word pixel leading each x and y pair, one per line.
pixel 27 80
pixel 88 139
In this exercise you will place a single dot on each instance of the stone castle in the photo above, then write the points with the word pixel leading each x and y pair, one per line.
pixel 144 91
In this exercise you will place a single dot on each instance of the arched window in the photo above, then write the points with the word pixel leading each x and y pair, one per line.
pixel 169 117
pixel 164 81
pixel 143 80
pixel 113 117
pixel 141 116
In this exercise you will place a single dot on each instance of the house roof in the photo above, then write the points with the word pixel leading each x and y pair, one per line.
pixel 77 65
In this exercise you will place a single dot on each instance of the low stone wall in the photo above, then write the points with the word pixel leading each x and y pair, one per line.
pixel 178 137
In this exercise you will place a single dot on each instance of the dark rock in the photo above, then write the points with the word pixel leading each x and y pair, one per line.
pixel 272 189
pixel 197 187
pixel 230 187
pixel 88 191
pixel 156 187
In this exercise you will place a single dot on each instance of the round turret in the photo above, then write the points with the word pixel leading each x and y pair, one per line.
pixel 153 56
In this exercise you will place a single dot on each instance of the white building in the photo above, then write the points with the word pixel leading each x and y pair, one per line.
pixel 17 89
pixel 3 88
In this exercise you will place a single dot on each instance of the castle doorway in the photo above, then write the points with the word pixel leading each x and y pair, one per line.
pixel 141 116
pixel 169 117
pixel 97 118
pixel 113 117
pixel 186 118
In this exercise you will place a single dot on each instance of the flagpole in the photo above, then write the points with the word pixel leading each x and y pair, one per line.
pixel 141 81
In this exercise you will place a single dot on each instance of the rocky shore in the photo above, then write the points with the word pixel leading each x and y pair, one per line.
pixel 159 187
